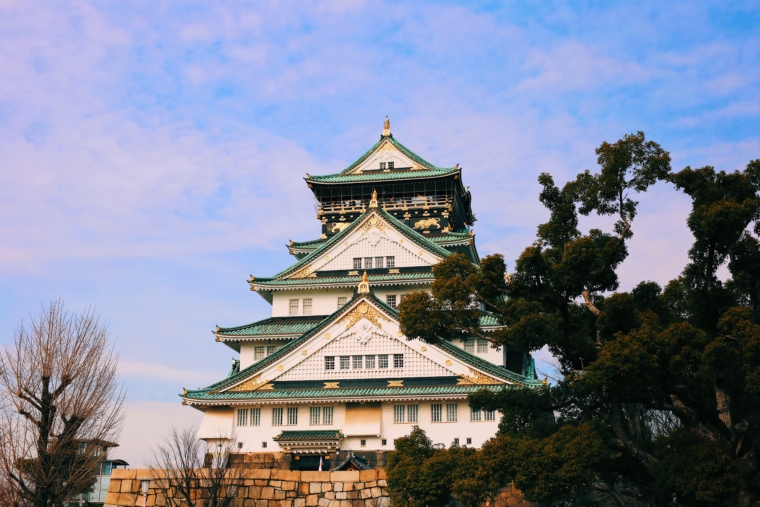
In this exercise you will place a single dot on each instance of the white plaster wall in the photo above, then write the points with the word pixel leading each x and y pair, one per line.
pixel 493 355
pixel 325 302
pixel 247 352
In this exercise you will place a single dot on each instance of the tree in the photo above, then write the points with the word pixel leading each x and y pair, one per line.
pixel 192 473
pixel 59 389
pixel 658 400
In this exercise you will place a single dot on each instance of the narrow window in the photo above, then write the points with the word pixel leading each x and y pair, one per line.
pixel 436 412
pixel 451 412
pixel 378 262
pixel 469 345
pixel 369 362
pixel 345 362
pixel 314 413
pixel 263 445
pixel 490 415
pixel 382 165
pixel 398 413
pixel 329 362
pixel 293 307
pixel 358 361
pixel 271 349
pixel 259 353
pixel 469 440
pixel 398 360
pixel 242 417
pixel 307 306
pixel 357 262
pixel 456 441
pixel 382 361
pixel 327 415
pixel 411 413
pixel 475 415
pixel 363 443
pixel 384 442
pixel 255 417
pixel 277 417
pixel 482 345
pixel 368 263
pixel 292 416
pixel 391 300
pixel 391 164
pixel 390 262
pixel 342 302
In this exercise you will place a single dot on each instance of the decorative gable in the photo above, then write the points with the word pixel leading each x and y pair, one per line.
pixel 385 153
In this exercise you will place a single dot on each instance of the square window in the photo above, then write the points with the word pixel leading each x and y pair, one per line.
pixel 398 413
pixel 345 362
pixel 363 443
pixel 436 412
pixel 382 361
pixel 327 415
pixel 293 307
pixel 255 417
pixel 292 416
pixel 342 300
pixel 391 300
pixel 329 362
pixel 384 442
pixel 369 362
pixel 411 413
pixel 263 445
pixel 357 262
pixel 456 441
pixel 451 412
pixel 390 262
pixel 277 417
pixel 307 306
pixel 490 415
pixel 469 345
pixel 242 417
pixel 314 413
pixel 382 165
pixel 358 361
pixel 398 360
pixel 378 262
pixel 259 353
pixel 482 346
pixel 469 440
pixel 368 262
pixel 475 415
pixel 391 164
pixel 271 349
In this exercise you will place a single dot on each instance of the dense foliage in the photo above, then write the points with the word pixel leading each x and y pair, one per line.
pixel 659 396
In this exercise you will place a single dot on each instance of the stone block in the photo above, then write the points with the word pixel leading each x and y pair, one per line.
pixel 279 494
pixel 326 486
pixel 123 473
pixel 254 492
pixel 348 486
pixel 258 473
pixel 346 503
pixel 267 493
pixel 366 493
pixel 352 476
pixel 376 492
pixel 261 482
pixel 288 485
pixel 335 503
pixel 338 486
pixel 341 495
pixel 382 483
pixel 286 475
pixel 370 484
pixel 330 495
pixel 126 486
pixel 303 488
pixel 275 484
pixel 323 502
pixel 315 487
pixel 312 500
pixel 381 474
pixel 262 503
pixel 368 475
pixel 315 476
pixel 299 502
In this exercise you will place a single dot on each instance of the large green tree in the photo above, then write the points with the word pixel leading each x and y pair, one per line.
pixel 658 397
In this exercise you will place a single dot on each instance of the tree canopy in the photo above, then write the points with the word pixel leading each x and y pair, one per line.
pixel 658 401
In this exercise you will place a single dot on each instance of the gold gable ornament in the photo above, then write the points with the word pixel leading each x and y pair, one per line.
pixel 386 127
pixel 251 384
pixel 364 284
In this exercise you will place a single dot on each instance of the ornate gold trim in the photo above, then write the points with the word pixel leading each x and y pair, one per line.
pixel 477 378
pixel 332 385
pixel 373 222
pixel 303 272
pixel 364 284
pixel 363 311
pixel 395 383
pixel 251 384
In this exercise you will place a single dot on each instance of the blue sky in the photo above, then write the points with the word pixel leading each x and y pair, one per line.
pixel 152 153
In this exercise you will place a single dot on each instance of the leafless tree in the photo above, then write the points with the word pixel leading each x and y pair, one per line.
pixel 58 389
pixel 190 472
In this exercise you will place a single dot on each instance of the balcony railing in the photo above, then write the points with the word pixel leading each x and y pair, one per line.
pixel 356 205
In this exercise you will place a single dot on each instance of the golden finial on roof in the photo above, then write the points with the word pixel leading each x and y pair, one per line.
pixel 218 329
pixel 373 201
pixel 456 166
pixel 364 284
pixel 386 127
pixel 251 278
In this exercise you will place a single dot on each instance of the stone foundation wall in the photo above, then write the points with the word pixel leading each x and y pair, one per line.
pixel 285 488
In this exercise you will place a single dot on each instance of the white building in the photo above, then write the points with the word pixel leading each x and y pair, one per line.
pixel 330 371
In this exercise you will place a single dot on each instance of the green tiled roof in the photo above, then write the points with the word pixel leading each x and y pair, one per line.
pixel 273 326
pixel 307 244
pixel 488 319
pixel 344 279
pixel 204 395
pixel 302 436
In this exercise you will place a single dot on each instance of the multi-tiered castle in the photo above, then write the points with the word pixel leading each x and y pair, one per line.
pixel 330 372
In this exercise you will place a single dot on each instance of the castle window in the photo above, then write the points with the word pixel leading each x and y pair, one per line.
pixel 368 263
pixel 379 262
pixel 342 299
pixel 382 165
pixel 436 412
pixel 259 353
pixel 345 362
pixel 358 361
pixel 391 164
pixel 390 262
pixel 398 360
pixel 271 349
pixel 327 415
pixel 292 416
pixel 398 413
pixel 482 345
pixel 456 441
pixel 451 412
pixel 314 413
pixel 369 362
pixel 411 413
pixel 277 417
pixel 391 300
pixel 329 362
pixel 363 443
pixel 475 415
pixel 469 440
pixel 263 445
pixel 385 442
pixel 255 417
pixel 469 345
pixel 307 306
pixel 242 417
pixel 357 262
pixel 382 361
pixel 293 307
pixel 490 415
